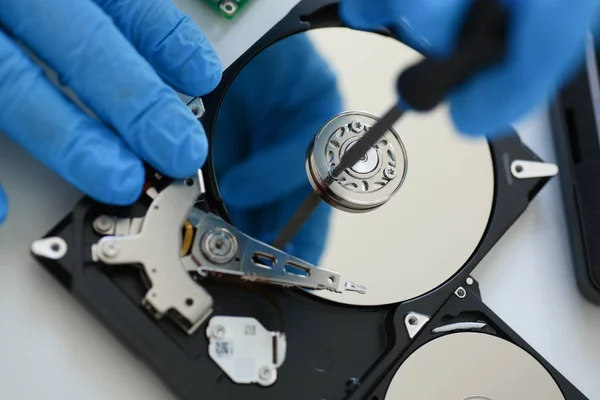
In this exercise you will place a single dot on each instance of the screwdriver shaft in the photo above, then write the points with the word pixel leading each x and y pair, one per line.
pixel 308 206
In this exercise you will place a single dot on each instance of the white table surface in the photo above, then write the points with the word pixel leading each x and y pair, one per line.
pixel 52 348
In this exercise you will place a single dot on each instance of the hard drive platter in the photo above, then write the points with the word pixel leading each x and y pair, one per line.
pixel 473 366
pixel 448 189
pixel 188 277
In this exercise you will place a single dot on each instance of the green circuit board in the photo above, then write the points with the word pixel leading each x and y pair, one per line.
pixel 227 8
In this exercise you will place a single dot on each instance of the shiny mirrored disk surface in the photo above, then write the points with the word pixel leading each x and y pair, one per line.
pixel 472 366
pixel 407 247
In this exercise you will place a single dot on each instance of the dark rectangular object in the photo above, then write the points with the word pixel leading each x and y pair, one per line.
pixel 576 123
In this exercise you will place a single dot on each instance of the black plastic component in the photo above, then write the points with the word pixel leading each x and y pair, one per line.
pixel 334 351
pixel 576 138
pixel 328 344
pixel 482 43
pixel 455 309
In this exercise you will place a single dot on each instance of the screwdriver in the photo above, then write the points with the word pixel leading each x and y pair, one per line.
pixel 481 44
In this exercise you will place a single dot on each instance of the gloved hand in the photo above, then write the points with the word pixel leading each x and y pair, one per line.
pixel 546 43
pixel 268 117
pixel 112 54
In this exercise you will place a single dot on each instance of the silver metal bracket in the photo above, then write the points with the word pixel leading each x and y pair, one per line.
pixel 414 322
pixel 156 247
pixel 53 248
pixel 220 248
pixel 522 169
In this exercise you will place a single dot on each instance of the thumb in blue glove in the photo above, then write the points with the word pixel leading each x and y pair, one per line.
pixel 546 44
pixel 268 117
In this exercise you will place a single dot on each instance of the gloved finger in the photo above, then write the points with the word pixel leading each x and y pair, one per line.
pixel 170 41
pixel 429 26
pixel 546 45
pixel 3 205
pixel 38 117
pixel 94 59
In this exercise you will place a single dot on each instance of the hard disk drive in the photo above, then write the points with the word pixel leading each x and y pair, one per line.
pixel 219 314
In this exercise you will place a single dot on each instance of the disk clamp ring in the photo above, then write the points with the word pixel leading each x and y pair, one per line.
pixel 372 181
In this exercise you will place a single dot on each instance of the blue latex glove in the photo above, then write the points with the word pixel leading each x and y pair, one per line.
pixel 112 54
pixel 268 117
pixel 546 44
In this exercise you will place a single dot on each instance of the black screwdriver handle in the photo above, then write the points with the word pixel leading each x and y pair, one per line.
pixel 482 42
